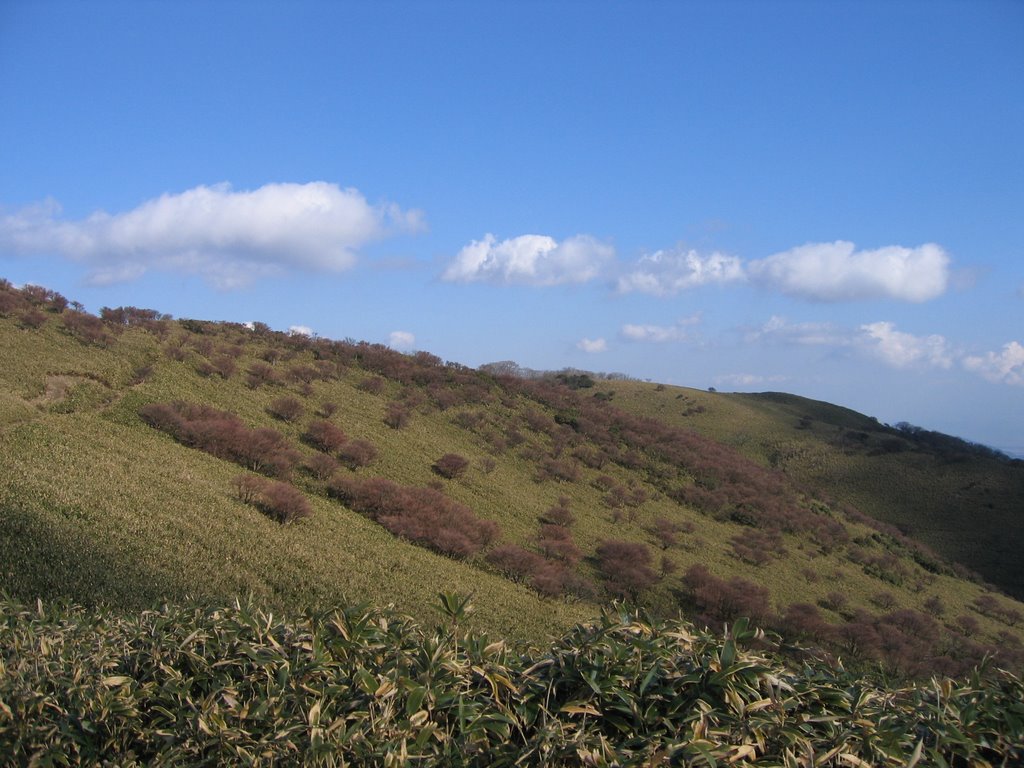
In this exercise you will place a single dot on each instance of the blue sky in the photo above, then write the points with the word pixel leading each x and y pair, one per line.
pixel 824 198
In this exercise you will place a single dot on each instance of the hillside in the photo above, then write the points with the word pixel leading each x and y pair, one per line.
pixel 147 459
pixel 962 500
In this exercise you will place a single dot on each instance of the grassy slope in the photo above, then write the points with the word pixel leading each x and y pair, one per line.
pixel 968 509
pixel 99 507
pixel 96 506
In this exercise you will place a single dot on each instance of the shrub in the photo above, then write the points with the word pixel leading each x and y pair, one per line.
pixel 224 435
pixel 935 606
pixel 834 601
pixel 422 515
pixel 559 514
pixel 719 600
pixel 884 600
pixel 357 453
pixel 324 436
pixel 396 415
pixel 804 621
pixel 555 542
pixel 286 409
pixel 373 385
pixel 665 531
pixel 514 562
pixel 566 470
pixel 248 487
pixel 451 466
pixel 281 501
pixel 321 465
pixel 626 567
pixel 260 374
pixel 757 547
pixel 87 328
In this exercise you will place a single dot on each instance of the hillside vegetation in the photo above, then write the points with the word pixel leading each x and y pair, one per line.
pixel 233 685
pixel 963 500
pixel 146 459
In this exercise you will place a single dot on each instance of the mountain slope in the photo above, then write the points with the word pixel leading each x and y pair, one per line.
pixel 104 504
pixel 962 500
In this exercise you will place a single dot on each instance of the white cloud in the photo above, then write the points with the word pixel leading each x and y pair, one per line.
pixel 592 345
pixel 838 272
pixel 1006 366
pixel 902 350
pixel 227 237
pixel 778 329
pixel 530 260
pixel 403 341
pixel 300 330
pixel 746 380
pixel 664 273
pixel 661 333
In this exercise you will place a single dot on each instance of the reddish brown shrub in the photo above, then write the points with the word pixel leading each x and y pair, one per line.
pixel 884 600
pixel 374 385
pixel 555 542
pixel 834 601
pixel 626 567
pixel 325 436
pixel 758 547
pixel 284 502
pixel 422 515
pixel 665 531
pixel 451 466
pixel 286 409
pixel 935 606
pixel 396 415
pixel 87 328
pixel 248 487
pixel 514 562
pixel 260 374
pixel 281 501
pixel 566 470
pixel 804 621
pixel 719 600
pixel 321 465
pixel 559 514
pixel 224 435
pixel 357 453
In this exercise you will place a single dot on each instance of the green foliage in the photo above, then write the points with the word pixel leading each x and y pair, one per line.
pixel 233 684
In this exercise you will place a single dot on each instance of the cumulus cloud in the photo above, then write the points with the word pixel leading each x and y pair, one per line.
pixel 592 345
pixel 902 350
pixel 664 273
pixel 227 237
pixel 1003 367
pixel 530 260
pixel 403 341
pixel 300 330
pixel 838 272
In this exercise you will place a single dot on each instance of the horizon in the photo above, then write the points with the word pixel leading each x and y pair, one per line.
pixel 822 199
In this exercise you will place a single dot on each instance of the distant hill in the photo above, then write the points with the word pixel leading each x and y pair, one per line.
pixel 964 500
pixel 146 459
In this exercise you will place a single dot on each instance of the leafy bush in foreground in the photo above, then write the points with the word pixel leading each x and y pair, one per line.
pixel 234 685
